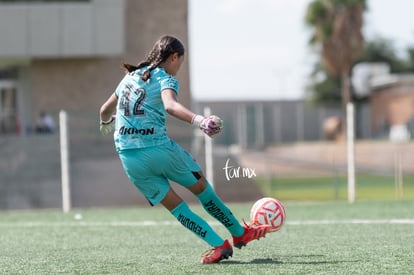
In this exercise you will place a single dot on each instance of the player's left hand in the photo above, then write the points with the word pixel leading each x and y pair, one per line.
pixel 211 125
pixel 107 126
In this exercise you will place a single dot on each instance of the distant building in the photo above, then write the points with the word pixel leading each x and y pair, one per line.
pixel 392 106
pixel 390 96
pixel 67 55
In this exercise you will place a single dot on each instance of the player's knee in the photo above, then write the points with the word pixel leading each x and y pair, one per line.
pixel 199 186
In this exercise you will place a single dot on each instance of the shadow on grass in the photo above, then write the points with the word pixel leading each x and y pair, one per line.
pixel 290 259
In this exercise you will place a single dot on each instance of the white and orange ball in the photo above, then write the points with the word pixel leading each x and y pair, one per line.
pixel 268 211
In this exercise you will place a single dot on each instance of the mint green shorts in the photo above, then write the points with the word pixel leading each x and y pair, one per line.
pixel 150 169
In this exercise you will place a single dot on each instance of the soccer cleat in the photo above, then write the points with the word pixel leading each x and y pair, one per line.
pixel 251 232
pixel 218 253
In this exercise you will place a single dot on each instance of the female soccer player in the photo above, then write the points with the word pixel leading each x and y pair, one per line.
pixel 150 158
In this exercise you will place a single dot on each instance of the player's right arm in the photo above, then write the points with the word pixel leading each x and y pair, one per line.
pixel 108 108
pixel 107 120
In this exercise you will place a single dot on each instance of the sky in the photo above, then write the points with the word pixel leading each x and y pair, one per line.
pixel 258 49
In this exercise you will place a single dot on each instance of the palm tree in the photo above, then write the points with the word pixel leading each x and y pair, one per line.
pixel 337 28
pixel 338 31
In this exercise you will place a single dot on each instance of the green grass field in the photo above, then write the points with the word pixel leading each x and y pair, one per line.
pixel 367 237
pixel 335 188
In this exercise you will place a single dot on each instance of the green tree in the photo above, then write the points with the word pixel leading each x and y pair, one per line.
pixel 337 31
pixel 337 28
pixel 323 87
pixel 410 52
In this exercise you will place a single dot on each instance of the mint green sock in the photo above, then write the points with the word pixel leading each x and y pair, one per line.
pixel 196 224
pixel 218 210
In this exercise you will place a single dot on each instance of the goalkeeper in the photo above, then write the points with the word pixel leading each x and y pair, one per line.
pixel 137 111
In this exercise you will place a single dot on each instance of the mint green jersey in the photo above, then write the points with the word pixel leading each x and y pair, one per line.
pixel 140 113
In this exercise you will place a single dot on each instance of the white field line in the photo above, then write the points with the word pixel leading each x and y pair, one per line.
pixel 80 223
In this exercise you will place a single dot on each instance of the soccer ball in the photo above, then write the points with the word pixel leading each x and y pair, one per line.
pixel 268 211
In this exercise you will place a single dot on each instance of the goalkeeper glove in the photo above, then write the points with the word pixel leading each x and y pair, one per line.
pixel 107 126
pixel 211 125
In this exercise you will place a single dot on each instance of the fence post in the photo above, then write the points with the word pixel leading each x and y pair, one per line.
pixel 350 151
pixel 64 161
pixel 398 174
pixel 208 143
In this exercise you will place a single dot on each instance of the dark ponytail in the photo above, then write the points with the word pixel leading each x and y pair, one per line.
pixel 130 68
pixel 162 49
